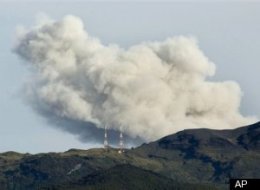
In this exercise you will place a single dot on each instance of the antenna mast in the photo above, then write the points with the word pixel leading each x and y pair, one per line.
pixel 106 145
pixel 121 143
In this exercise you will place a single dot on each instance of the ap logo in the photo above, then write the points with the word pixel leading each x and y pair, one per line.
pixel 240 184
pixel 244 184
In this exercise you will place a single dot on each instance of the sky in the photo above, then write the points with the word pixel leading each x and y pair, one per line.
pixel 227 32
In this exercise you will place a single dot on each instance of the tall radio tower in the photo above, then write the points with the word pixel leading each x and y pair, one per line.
pixel 121 143
pixel 106 145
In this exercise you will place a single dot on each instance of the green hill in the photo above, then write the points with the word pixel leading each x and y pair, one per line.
pixel 204 155
pixel 128 177
pixel 190 159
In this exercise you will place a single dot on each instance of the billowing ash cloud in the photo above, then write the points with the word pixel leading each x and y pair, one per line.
pixel 150 90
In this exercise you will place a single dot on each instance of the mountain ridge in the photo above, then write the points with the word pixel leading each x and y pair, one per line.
pixel 198 158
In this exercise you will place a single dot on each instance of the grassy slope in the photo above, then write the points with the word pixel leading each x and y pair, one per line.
pixel 194 156
pixel 45 170
pixel 128 177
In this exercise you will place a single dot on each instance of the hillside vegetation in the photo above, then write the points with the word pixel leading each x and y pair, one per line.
pixel 191 159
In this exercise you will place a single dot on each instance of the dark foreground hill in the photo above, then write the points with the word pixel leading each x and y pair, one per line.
pixel 129 177
pixel 191 159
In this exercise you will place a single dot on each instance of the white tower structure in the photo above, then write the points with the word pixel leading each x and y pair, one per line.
pixel 106 145
pixel 121 143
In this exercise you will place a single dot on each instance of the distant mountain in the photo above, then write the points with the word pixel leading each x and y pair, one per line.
pixel 190 159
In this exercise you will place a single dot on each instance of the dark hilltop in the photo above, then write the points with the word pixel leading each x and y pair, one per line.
pixel 190 159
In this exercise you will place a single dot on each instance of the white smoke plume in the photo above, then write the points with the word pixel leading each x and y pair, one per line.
pixel 149 90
